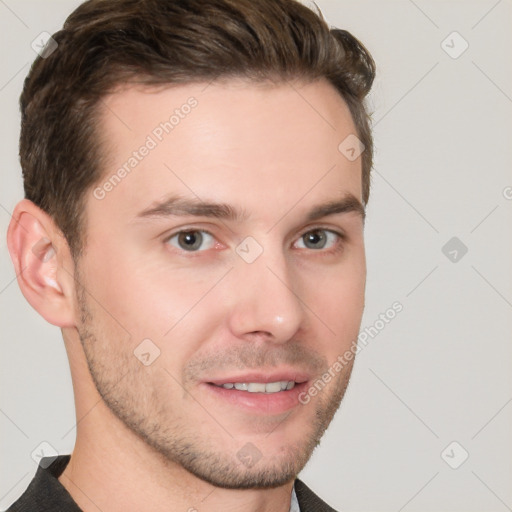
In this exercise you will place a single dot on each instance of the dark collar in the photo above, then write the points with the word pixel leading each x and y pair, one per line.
pixel 45 492
pixel 308 500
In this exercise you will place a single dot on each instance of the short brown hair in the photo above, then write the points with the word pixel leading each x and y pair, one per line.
pixel 105 43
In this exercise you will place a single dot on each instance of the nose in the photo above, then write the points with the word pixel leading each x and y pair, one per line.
pixel 264 301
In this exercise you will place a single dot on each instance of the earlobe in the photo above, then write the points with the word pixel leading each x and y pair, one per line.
pixel 37 250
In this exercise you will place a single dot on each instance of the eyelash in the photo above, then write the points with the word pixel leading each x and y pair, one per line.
pixel 338 246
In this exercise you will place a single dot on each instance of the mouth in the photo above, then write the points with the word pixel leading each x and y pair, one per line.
pixel 259 393
pixel 259 387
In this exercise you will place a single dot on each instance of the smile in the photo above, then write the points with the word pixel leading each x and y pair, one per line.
pixel 259 387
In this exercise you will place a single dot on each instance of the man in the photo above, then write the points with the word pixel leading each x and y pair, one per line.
pixel 196 173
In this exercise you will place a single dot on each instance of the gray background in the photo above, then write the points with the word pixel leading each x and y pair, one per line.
pixel 437 373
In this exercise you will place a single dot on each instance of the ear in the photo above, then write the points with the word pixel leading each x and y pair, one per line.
pixel 43 263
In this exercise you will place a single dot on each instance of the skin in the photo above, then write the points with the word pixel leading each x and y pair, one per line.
pixel 160 434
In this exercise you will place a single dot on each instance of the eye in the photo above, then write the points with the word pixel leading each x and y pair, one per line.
pixel 319 239
pixel 192 240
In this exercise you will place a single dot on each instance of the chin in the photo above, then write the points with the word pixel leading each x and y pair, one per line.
pixel 263 475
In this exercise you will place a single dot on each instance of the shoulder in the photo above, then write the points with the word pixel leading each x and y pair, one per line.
pixel 308 500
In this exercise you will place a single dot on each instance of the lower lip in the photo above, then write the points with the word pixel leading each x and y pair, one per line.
pixel 260 403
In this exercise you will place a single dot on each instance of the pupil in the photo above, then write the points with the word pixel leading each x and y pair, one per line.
pixel 315 237
pixel 191 240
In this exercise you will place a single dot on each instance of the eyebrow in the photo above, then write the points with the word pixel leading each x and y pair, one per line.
pixel 178 206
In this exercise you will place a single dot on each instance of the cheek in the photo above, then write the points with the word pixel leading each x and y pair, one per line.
pixel 152 299
pixel 121 292
pixel 148 298
pixel 337 298
pixel 340 304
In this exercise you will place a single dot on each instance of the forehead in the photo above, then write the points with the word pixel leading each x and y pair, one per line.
pixel 234 142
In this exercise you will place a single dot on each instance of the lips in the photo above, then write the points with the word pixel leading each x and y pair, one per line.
pixel 258 391
pixel 260 387
pixel 254 381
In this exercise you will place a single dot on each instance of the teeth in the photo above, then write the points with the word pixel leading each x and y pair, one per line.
pixel 260 387
pixel 256 387
pixel 272 387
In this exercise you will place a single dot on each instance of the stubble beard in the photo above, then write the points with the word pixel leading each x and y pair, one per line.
pixel 119 379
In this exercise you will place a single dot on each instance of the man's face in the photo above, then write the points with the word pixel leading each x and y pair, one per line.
pixel 201 331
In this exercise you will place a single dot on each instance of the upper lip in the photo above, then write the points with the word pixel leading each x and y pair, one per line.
pixel 297 376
